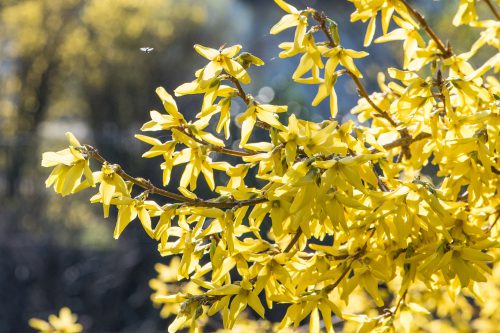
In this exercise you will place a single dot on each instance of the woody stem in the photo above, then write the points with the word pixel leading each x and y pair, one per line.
pixel 446 52
pixel 152 189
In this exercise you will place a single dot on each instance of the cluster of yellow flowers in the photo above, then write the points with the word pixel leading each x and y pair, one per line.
pixel 346 213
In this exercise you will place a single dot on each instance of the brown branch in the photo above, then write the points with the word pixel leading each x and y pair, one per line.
pixel 405 141
pixel 332 286
pixel 488 229
pixel 321 19
pixel 446 52
pixel 381 184
pixel 147 185
pixel 213 147
pixel 228 151
pixel 493 9
pixel 362 92
pixel 400 301
pixel 238 86
pixel 294 240
pixel 309 255
pixel 245 98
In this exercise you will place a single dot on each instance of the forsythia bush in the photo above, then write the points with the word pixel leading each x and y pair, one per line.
pixel 346 231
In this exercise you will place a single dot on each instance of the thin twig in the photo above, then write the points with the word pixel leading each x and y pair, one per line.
pixel 400 301
pixel 245 98
pixel 405 151
pixel 294 240
pixel 321 19
pixel 493 9
pixel 446 52
pixel 147 185
pixel 493 224
pixel 238 86
pixel 405 141
pixel 228 151
pixel 363 93
pixel 213 147
pixel 381 184
pixel 332 286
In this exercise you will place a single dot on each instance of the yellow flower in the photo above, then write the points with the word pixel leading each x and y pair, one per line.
pixel 293 18
pixel 129 209
pixel 64 323
pixel 345 57
pixel 407 33
pixel 70 165
pixel 244 295
pixel 265 113
pixel 112 185
pixel 417 100
pixel 326 87
pixel 162 121
pixel 158 148
pixel 221 60
pixel 312 305
pixel 367 10
pixel 424 56
pixel 311 58
pixel 211 92
pixel 196 157
pixel 466 13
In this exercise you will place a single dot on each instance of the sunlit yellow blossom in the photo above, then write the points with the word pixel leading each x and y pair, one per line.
pixel 64 323
pixel 293 18
pixel 385 224
pixel 221 60
pixel 345 57
pixel 129 209
pixel 70 165
pixel 263 112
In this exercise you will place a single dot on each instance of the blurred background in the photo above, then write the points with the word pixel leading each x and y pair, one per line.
pixel 76 65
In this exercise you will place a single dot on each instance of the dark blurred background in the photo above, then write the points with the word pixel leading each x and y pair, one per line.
pixel 76 65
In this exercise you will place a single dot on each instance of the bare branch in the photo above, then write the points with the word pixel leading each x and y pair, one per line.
pixel 294 240
pixel 147 185
pixel 493 9
pixel 238 86
pixel 446 51
pixel 213 147
pixel 405 141
pixel 245 98
pixel 362 92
